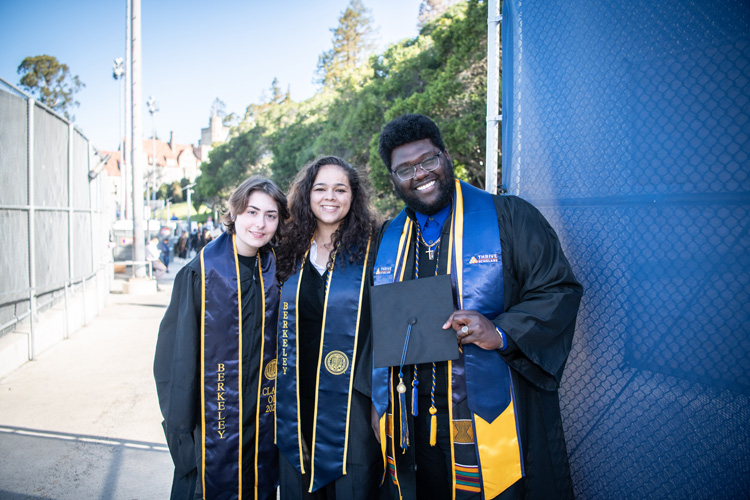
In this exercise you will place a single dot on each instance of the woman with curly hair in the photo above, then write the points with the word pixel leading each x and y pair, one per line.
pixel 328 450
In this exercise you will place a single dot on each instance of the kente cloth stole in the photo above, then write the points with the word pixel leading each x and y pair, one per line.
pixel 486 447
pixel 338 351
pixel 221 372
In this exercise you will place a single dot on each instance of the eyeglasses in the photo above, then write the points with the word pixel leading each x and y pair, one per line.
pixel 407 172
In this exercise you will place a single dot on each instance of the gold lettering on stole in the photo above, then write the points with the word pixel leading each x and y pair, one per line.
pixel 221 429
pixel 284 335
pixel 270 393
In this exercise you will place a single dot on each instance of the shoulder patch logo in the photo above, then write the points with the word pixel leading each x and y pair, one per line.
pixel 383 270
pixel 484 258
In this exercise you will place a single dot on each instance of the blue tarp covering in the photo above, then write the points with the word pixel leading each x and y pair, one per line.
pixel 628 125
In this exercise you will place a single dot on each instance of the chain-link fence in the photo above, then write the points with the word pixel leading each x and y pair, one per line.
pixel 54 245
pixel 628 125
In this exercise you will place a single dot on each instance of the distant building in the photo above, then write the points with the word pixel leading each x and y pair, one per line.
pixel 174 162
pixel 216 132
pixel 114 177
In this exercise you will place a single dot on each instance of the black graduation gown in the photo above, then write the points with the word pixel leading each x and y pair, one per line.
pixel 541 303
pixel 364 461
pixel 177 374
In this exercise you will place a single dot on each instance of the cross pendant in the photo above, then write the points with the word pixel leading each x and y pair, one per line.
pixel 431 253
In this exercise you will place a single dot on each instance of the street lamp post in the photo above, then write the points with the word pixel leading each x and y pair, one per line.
pixel 166 215
pixel 153 107
pixel 118 71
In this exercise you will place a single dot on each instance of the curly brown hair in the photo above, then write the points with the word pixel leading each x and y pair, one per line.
pixel 351 235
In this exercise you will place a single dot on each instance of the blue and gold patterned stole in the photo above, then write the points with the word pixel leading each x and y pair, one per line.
pixel 486 450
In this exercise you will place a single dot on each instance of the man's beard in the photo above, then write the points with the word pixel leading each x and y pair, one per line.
pixel 445 195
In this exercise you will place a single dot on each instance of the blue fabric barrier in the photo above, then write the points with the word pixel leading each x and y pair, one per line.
pixel 628 125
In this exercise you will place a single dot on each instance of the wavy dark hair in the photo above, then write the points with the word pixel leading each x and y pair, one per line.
pixel 239 198
pixel 351 235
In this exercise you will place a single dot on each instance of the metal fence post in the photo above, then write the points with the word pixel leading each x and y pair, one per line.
pixel 93 198
pixel 71 266
pixel 493 95
pixel 32 228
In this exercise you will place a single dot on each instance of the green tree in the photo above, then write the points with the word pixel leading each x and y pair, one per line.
pixel 227 166
pixel 441 73
pixel 429 10
pixel 292 146
pixel 163 192
pixel 175 192
pixel 450 87
pixel 50 82
pixel 352 44
pixel 277 96
pixel 219 108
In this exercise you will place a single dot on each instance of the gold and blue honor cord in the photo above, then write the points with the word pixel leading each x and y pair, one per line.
pixel 415 382
pixel 401 387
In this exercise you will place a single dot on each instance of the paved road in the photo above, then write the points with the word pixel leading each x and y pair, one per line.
pixel 82 420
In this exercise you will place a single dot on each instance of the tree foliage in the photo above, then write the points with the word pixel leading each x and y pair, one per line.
pixel 429 10
pixel 352 44
pixel 50 82
pixel 441 73
pixel 229 164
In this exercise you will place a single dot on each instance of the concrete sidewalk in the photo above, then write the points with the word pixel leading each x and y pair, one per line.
pixel 83 420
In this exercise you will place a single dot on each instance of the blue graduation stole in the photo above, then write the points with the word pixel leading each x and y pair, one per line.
pixel 221 372
pixel 475 265
pixel 338 352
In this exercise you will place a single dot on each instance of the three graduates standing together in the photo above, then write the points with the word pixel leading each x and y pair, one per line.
pixel 267 344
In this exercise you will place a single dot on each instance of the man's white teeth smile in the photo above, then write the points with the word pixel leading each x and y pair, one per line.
pixel 425 186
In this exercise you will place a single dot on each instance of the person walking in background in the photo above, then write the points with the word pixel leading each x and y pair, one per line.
pixel 164 255
pixel 152 255
pixel 215 360
pixel 324 351
pixel 194 243
pixel 182 245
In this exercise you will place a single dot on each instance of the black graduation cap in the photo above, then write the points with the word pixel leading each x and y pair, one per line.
pixel 426 304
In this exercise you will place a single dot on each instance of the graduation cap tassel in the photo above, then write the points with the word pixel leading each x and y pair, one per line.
pixel 401 389
pixel 402 414
pixel 433 410
pixel 433 426
pixel 414 395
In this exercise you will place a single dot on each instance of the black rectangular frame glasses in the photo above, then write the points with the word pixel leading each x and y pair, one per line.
pixel 407 172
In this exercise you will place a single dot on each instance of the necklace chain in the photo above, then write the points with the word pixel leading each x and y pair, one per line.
pixel 430 246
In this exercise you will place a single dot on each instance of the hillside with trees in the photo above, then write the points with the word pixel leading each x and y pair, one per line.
pixel 442 73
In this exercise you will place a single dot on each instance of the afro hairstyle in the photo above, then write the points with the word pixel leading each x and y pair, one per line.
pixel 405 129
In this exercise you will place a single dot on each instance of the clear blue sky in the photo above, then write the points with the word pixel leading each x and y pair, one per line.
pixel 193 52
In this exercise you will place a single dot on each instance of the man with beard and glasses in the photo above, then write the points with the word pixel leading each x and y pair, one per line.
pixel 486 425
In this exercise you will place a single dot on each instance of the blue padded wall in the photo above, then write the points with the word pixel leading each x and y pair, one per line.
pixel 628 125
